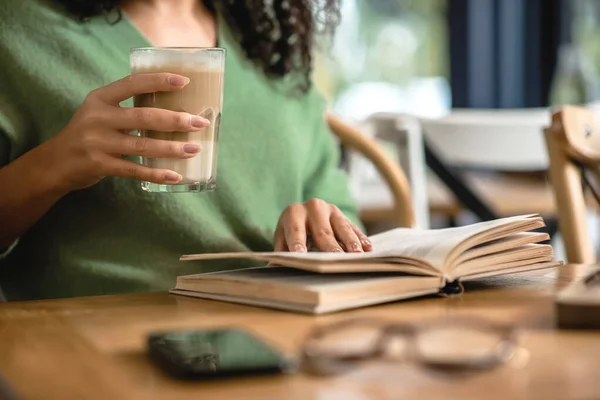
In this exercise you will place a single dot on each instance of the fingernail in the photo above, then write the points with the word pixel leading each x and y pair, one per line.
pixel 300 248
pixel 199 122
pixel 172 177
pixel 177 80
pixel 191 148
pixel 337 250
pixel 366 242
pixel 356 247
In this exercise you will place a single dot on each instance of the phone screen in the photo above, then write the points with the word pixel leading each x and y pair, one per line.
pixel 214 353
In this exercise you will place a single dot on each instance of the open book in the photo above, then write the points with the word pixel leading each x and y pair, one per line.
pixel 404 263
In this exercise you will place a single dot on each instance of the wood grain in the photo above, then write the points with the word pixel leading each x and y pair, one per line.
pixel 94 348
pixel 564 139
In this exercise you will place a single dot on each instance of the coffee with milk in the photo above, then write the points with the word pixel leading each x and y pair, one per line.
pixel 202 96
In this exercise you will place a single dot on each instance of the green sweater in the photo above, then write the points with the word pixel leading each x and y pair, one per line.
pixel 275 150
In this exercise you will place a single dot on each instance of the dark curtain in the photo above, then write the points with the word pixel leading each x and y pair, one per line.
pixel 503 53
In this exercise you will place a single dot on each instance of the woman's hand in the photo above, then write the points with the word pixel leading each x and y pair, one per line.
pixel 91 145
pixel 324 223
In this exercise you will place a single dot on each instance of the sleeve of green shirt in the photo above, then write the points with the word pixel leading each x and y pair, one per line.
pixel 324 178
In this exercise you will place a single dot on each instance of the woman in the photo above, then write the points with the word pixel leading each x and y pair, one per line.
pixel 74 220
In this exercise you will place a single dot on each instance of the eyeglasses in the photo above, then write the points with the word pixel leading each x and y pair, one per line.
pixel 458 344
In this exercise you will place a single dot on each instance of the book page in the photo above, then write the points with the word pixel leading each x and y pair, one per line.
pixel 493 261
pixel 430 247
pixel 495 246
pixel 333 267
pixel 508 271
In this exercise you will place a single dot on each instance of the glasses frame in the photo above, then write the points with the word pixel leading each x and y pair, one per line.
pixel 324 363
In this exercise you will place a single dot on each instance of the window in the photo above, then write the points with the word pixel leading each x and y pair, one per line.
pixel 388 55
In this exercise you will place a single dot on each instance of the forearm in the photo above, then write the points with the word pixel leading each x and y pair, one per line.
pixel 28 190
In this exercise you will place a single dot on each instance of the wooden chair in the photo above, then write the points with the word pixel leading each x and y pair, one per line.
pixel 573 142
pixel 402 213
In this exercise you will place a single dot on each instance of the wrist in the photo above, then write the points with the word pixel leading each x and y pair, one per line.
pixel 46 172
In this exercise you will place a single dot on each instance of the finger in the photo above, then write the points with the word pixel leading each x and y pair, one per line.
pixel 279 245
pixel 156 119
pixel 343 231
pixel 279 241
pixel 294 228
pixel 319 224
pixel 364 240
pixel 129 169
pixel 120 144
pixel 135 84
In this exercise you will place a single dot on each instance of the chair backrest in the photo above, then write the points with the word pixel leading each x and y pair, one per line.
pixel 393 175
pixel 573 141
pixel 401 137
pixel 516 135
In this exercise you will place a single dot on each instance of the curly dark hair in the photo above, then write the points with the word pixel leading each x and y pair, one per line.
pixel 276 35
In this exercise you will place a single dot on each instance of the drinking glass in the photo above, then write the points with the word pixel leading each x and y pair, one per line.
pixel 202 96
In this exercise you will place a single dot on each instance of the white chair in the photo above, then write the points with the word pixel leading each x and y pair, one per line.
pixel 503 139
pixel 400 212
pixel 503 152
pixel 402 139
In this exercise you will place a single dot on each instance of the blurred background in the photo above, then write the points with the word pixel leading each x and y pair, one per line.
pixel 425 56
pixel 479 78
pixel 388 55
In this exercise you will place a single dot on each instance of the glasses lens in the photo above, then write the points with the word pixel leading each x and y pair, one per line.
pixel 349 341
pixel 339 349
pixel 462 347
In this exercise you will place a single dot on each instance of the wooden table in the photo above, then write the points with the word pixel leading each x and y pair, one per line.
pixel 93 348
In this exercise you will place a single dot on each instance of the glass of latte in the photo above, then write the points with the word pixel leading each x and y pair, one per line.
pixel 202 96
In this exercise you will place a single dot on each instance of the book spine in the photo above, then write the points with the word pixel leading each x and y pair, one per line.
pixel 452 288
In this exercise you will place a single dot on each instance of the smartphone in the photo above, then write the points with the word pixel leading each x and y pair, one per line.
pixel 201 354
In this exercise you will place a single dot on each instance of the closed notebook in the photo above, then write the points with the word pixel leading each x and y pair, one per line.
pixel 404 263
